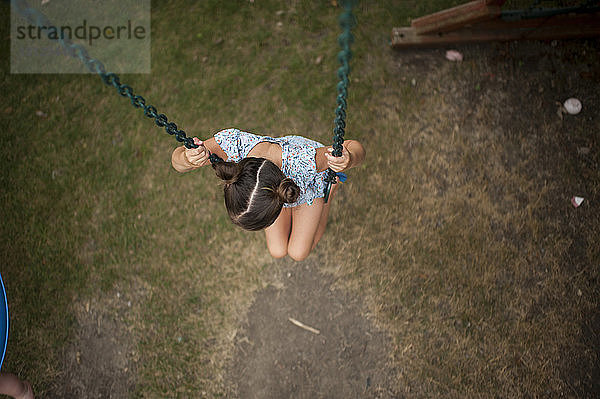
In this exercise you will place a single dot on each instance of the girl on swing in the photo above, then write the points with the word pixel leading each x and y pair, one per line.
pixel 276 184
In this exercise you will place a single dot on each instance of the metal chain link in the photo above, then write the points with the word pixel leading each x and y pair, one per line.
pixel 345 40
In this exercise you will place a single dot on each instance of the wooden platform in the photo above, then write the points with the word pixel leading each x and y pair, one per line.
pixel 480 20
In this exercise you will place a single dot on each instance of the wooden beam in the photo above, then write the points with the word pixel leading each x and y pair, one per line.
pixel 558 27
pixel 457 17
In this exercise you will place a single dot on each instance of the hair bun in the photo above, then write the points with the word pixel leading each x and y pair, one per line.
pixel 288 191
pixel 227 171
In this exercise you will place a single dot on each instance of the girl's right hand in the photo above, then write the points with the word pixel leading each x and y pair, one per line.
pixel 197 156
pixel 337 164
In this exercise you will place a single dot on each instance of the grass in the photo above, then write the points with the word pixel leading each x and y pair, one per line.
pixel 457 230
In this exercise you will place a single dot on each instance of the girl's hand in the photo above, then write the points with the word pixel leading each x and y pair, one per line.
pixel 196 156
pixel 337 164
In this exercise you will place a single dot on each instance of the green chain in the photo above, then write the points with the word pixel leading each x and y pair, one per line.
pixel 347 22
pixel 75 50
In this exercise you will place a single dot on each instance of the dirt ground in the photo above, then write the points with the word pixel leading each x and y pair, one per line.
pixel 274 358
pixel 100 362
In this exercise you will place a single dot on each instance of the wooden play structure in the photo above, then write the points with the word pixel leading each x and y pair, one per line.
pixel 485 20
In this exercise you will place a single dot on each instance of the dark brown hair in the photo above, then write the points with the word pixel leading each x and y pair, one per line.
pixel 255 191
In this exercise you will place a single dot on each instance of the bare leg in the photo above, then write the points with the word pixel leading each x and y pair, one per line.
pixel 305 222
pixel 278 234
pixel 322 225
pixel 11 385
pixel 324 216
pixel 298 230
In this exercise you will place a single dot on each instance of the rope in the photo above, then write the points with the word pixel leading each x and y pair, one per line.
pixel 110 79
pixel 345 40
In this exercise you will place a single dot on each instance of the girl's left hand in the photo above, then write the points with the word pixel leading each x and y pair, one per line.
pixel 337 164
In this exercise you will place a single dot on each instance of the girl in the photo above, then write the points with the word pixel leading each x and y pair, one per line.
pixel 276 184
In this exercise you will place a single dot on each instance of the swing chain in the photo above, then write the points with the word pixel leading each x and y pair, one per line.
pixel 347 21
pixel 150 111
pixel 110 79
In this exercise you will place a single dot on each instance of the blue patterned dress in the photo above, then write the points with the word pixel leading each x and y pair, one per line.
pixel 297 159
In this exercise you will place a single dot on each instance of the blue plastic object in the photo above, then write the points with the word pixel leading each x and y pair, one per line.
pixel 3 322
pixel 343 177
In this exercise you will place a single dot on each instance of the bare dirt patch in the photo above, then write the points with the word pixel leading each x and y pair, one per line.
pixel 100 361
pixel 277 359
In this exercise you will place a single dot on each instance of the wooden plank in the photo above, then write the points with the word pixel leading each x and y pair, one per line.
pixel 559 27
pixel 456 17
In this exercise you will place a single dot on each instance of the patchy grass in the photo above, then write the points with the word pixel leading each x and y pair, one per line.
pixel 457 230
pixel 463 235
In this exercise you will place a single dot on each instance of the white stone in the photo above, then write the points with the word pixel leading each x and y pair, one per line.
pixel 573 106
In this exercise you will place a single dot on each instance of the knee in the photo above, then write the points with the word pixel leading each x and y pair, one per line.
pixel 278 252
pixel 298 253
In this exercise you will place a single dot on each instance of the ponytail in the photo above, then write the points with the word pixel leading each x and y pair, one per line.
pixel 288 191
pixel 229 172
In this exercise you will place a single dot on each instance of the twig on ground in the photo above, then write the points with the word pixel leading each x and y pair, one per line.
pixel 302 325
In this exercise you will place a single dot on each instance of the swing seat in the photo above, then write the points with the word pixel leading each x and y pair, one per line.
pixel 3 322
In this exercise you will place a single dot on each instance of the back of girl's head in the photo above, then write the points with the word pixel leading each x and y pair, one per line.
pixel 255 191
